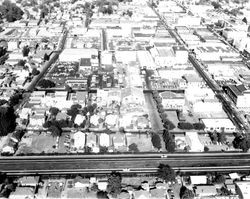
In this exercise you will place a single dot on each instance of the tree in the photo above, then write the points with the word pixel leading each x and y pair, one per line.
pixel 21 62
pixel 169 141
pixel 206 149
pixel 44 11
pixel 35 72
pixel 198 126
pixel 219 179
pixel 186 193
pixel 103 149
pixel 3 101
pixel 185 125
pixel 10 11
pixel 7 119
pixel 156 141
pixel 55 131
pixel 54 111
pixel 46 57
pixel 225 192
pixel 46 83
pixel 222 137
pixel 241 142
pixel 213 136
pixel 166 173
pixel 168 124
pixel 244 20
pixel 216 5
pixel 114 184
pixel 26 51
pixel 14 99
pixel 102 195
pixel 133 148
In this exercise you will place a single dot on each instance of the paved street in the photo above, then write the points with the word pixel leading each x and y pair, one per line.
pixel 153 112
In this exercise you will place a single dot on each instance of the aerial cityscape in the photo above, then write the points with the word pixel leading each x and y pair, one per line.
pixel 126 99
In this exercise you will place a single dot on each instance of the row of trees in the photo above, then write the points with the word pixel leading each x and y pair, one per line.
pixel 189 126
pixel 166 122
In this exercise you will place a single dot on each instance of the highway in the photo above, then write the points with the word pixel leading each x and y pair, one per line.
pixel 133 163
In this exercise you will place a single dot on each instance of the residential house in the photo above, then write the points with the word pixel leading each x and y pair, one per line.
pixel 30 181
pixel 193 141
pixel 181 54
pixel 114 97
pixel 79 139
pixel 205 190
pixel 220 124
pixel 171 100
pixel 123 195
pixel 194 80
pixel 102 184
pixel 158 193
pixel 55 188
pixel 141 194
pixel 23 193
pixel 92 142
pixel 207 105
pixel 85 65
pixel 119 140
pixel 80 182
pixel 198 179
pixel 104 140
pixel 132 96
pixel 244 189
pixel 239 95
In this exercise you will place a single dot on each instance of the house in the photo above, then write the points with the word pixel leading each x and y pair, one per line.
pixel 220 124
pixel 114 97
pixel 30 181
pixel 79 119
pixel 194 80
pixel 92 142
pixel 102 184
pixel 23 193
pixel 141 194
pixel 193 141
pixel 118 140
pixel 85 64
pixel 239 95
pixel 55 188
pixel 244 189
pixel 158 193
pixel 111 120
pixel 132 96
pixel 181 54
pixel 207 105
pixel 172 100
pixel 205 190
pixel 231 188
pixel 123 195
pixel 198 179
pixel 79 140
pixel 104 139
pixel 80 182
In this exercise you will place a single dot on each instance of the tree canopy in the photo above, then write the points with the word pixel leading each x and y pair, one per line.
pixel 169 141
pixel 7 120
pixel 114 184
pixel 186 193
pixel 156 141
pixel 166 173
pixel 46 83
pixel 10 11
